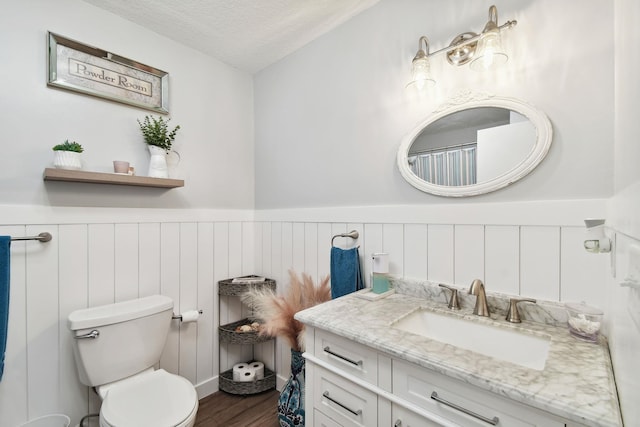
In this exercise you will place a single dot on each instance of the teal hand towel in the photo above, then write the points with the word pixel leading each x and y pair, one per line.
pixel 5 246
pixel 346 276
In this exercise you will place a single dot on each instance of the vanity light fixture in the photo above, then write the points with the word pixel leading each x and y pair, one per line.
pixel 483 51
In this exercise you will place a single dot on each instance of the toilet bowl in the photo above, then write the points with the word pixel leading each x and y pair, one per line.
pixel 116 347
pixel 150 399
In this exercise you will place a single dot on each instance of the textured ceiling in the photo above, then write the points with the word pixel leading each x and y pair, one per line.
pixel 246 34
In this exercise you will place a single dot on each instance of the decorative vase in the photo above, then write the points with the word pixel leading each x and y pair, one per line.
pixel 291 402
pixel 67 160
pixel 158 162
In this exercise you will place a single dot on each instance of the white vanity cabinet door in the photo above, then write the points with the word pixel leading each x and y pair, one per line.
pixel 348 356
pixel 417 385
pixel 343 401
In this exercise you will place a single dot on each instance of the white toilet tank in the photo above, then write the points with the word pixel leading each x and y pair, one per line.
pixel 129 338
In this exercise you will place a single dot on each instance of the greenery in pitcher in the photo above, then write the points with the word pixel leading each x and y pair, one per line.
pixel 69 146
pixel 156 132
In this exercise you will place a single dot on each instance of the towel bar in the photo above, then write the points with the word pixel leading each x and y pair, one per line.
pixel 353 234
pixel 42 237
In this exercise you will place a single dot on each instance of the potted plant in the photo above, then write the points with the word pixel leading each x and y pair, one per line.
pixel 159 138
pixel 67 155
pixel 277 312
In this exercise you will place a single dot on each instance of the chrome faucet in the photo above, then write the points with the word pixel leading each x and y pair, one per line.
pixel 477 289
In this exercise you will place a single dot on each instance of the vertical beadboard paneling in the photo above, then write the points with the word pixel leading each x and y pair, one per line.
pixel 188 287
pixel 579 267
pixel 440 253
pixel 170 286
pixel 43 352
pixel 235 249
pixel 283 353
pixel 101 262
pixel 250 246
pixel 149 259
pixel 236 353
pixel 220 272
pixel 324 250
pixel 287 254
pixel 393 244
pixel 264 352
pixel 298 247
pixel 13 387
pixel 540 262
pixel 373 242
pixel 311 250
pixel 72 252
pixel 415 251
pixel 126 262
pixel 265 255
pixel 206 363
pixel 276 272
pixel 469 253
pixel 502 259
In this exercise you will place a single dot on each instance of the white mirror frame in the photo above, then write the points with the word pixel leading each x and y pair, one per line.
pixel 465 101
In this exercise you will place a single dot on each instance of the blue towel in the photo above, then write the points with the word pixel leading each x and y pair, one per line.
pixel 5 245
pixel 345 272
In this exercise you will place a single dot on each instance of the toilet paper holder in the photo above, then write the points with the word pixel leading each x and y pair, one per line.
pixel 179 316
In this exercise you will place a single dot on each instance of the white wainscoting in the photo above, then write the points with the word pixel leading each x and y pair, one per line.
pixel 101 256
pixel 543 260
pixel 93 263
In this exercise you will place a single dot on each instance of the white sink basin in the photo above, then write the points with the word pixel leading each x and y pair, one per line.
pixel 506 344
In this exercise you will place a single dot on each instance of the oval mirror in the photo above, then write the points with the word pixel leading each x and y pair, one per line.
pixel 474 144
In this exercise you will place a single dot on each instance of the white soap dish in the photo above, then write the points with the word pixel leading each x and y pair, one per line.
pixel 367 293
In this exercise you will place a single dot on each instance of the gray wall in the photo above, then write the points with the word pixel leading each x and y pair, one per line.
pixel 211 101
pixel 330 117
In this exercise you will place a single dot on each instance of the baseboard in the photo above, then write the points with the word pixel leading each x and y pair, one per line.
pixel 207 387
pixel 280 382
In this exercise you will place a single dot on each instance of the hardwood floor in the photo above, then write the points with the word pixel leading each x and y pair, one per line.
pixel 223 409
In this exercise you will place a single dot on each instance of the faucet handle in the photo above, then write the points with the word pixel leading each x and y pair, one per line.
pixel 513 315
pixel 453 302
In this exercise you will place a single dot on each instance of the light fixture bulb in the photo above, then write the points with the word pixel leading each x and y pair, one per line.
pixel 420 67
pixel 489 53
pixel 421 73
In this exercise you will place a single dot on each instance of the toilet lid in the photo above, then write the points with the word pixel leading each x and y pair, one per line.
pixel 157 399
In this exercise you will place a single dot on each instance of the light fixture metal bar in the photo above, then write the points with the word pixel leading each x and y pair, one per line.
pixel 506 25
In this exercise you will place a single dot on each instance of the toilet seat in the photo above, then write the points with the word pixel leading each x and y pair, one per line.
pixel 156 399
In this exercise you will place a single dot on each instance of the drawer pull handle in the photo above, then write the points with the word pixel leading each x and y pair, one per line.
pixel 339 356
pixel 493 421
pixel 356 413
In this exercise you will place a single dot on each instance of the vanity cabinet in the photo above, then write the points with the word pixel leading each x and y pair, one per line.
pixel 462 403
pixel 352 385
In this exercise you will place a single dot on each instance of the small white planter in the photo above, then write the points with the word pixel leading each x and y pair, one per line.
pixel 158 162
pixel 67 160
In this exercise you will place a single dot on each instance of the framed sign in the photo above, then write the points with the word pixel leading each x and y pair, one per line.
pixel 92 71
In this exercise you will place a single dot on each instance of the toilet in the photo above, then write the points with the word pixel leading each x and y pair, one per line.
pixel 116 347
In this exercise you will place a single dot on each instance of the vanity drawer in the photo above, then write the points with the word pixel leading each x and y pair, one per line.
pixel 402 417
pixel 321 420
pixel 348 356
pixel 343 401
pixel 422 387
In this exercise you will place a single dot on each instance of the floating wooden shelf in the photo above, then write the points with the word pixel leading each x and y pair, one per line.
pixel 51 174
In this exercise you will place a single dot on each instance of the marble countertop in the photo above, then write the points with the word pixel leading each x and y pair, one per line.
pixel 576 383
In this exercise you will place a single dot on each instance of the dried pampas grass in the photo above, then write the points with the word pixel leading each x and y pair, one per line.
pixel 277 311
